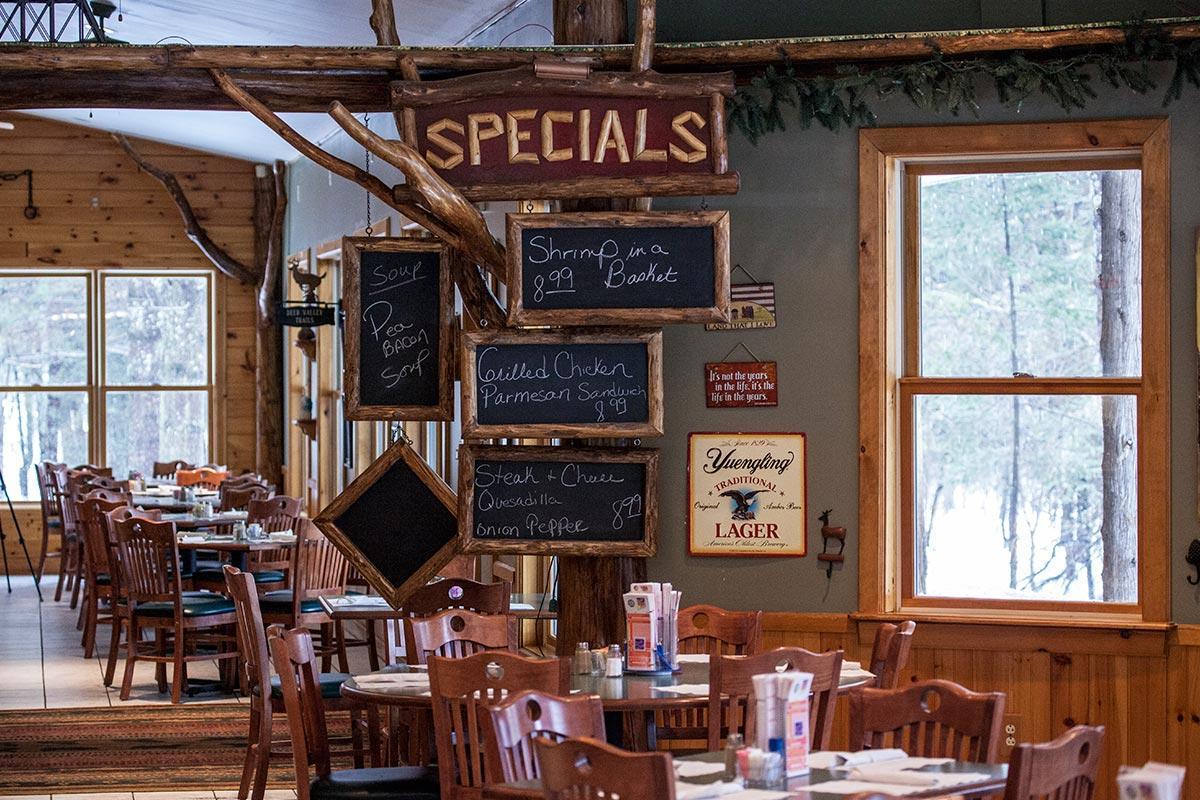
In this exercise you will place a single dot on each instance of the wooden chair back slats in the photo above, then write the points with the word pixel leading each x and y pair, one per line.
pixel 889 653
pixel 46 490
pixel 1064 769
pixel 457 633
pixel 461 689
pixel 588 769
pixel 93 529
pixel 320 568
pixel 731 691
pixel 238 497
pixel 715 631
pixel 203 477
pixel 296 664
pixel 519 719
pixel 111 484
pixel 930 719
pixel 149 560
pixel 111 520
pixel 251 635
pixel 275 514
pixel 107 495
pixel 167 469
pixel 482 598
pixel 92 469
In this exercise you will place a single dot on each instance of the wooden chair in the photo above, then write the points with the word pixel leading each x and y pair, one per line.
pixel 92 469
pixel 440 595
pixel 318 568
pixel 165 470
pixel 515 723
pixel 104 482
pixel 715 631
pixel 457 633
pixel 583 769
pixel 279 513
pixel 296 664
pixel 930 719
pixel 98 567
pixel 151 575
pixel 889 654
pixel 731 691
pixel 67 484
pixel 237 496
pixel 120 606
pixel 266 695
pixel 201 477
pixel 51 521
pixel 1064 769
pixel 461 688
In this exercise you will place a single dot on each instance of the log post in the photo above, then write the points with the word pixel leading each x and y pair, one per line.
pixel 270 203
pixel 590 606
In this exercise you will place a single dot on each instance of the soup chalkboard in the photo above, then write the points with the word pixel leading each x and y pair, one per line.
pixel 399 335
pixel 395 522
pixel 522 383
pixel 622 268
pixel 558 500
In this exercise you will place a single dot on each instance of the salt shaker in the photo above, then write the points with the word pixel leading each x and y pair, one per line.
pixel 733 743
pixel 583 659
pixel 614 667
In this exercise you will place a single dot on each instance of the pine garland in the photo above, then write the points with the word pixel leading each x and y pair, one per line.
pixel 940 84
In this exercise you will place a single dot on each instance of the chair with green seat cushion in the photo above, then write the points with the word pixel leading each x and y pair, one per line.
pixel 205 574
pixel 252 642
pixel 97 596
pixel 281 602
pixel 296 663
pixel 120 606
pixel 150 572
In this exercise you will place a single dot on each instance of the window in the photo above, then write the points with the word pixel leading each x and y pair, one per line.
pixel 1013 387
pixel 110 367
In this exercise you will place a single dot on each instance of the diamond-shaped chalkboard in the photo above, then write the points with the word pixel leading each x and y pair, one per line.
pixel 396 523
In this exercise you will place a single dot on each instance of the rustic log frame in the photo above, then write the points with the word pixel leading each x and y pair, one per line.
pixel 716 221
pixel 651 338
pixel 352 249
pixel 467 455
pixel 270 205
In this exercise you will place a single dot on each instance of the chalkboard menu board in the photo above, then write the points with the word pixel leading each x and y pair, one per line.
pixel 399 334
pixel 395 522
pixel 558 500
pixel 618 268
pixel 550 384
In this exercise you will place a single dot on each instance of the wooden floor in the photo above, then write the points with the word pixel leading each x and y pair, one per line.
pixel 43 664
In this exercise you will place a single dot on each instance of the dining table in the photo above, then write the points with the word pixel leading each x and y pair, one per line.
pixel 630 701
pixel 161 500
pixel 960 778
pixel 522 605
pixel 238 550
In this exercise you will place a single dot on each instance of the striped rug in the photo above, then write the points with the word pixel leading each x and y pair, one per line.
pixel 130 748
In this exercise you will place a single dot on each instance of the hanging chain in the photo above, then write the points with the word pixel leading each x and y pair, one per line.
pixel 367 123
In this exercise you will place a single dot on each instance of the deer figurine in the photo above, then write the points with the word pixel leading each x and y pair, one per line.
pixel 829 532
pixel 309 282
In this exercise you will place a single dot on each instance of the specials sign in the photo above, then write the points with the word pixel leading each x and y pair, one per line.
pixel 515 134
pixel 747 494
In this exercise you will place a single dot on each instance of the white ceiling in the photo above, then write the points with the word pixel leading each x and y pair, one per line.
pixel 290 22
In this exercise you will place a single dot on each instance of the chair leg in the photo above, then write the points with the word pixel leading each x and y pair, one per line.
pixel 179 674
pixel 41 567
pixel 91 613
pixel 326 649
pixel 356 738
pixel 130 658
pixel 339 631
pixel 114 644
pixel 372 646
pixel 160 667
pixel 78 573
pixel 62 572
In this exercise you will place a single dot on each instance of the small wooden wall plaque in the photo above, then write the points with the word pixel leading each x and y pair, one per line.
pixel 618 268
pixel 399 300
pixel 604 383
pixel 558 500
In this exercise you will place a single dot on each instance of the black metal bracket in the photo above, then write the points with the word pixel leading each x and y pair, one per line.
pixel 31 211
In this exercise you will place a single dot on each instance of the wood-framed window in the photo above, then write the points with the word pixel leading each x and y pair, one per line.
pixel 1014 370
pixel 105 366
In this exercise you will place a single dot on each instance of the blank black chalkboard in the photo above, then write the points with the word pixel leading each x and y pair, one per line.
pixel 590 384
pixel 618 268
pixel 398 315
pixel 396 523
pixel 557 500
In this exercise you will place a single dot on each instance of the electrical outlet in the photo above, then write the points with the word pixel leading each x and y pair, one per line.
pixel 1011 741
pixel 1010 729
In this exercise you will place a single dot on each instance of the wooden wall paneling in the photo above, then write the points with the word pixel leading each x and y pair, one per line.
pixel 97 210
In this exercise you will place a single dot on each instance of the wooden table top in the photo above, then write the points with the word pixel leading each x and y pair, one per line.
pixel 358 606
pixel 997 775
pixel 630 692
pixel 227 544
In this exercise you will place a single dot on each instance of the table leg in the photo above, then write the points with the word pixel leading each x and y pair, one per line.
pixel 634 731
pixel 240 559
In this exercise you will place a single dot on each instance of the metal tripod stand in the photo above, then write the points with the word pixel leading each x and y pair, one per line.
pixel 20 538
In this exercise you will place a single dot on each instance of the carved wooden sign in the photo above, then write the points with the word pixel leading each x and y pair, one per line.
pixel 511 134
pixel 396 522
pixel 525 383
pixel 399 345
pixel 558 500
pixel 618 268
